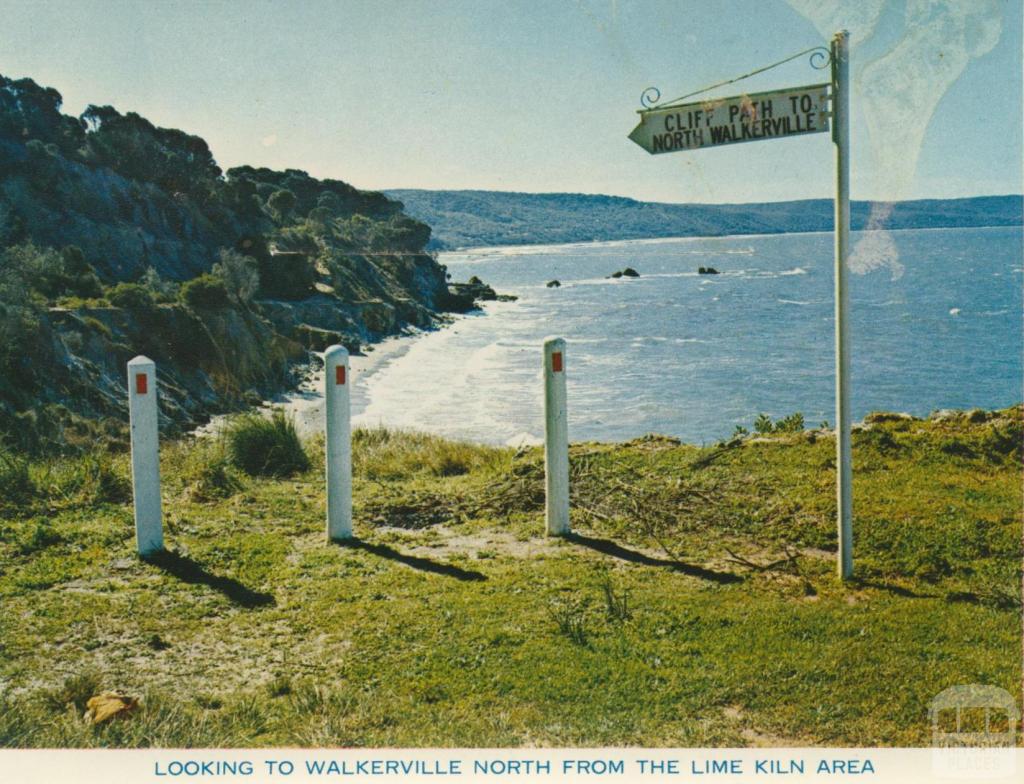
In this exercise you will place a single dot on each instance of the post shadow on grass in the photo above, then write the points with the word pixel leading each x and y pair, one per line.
pixel 616 550
pixel 190 571
pixel 415 561
pixel 897 590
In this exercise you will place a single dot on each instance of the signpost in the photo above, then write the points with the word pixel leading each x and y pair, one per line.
pixel 742 118
pixel 841 138
pixel 796 111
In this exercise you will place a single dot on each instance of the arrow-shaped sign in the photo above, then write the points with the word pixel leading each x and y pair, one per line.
pixel 742 118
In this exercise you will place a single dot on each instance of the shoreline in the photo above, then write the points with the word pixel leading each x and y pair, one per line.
pixel 305 404
pixel 472 249
pixel 394 396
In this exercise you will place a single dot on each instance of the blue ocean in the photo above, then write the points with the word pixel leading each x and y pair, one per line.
pixel 692 355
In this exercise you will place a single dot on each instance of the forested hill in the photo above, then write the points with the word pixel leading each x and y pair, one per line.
pixel 474 218
pixel 118 237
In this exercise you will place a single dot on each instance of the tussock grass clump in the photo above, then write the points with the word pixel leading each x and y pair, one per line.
pixel 205 470
pixel 80 481
pixel 91 479
pixel 382 454
pixel 571 620
pixel 75 690
pixel 16 484
pixel 616 602
pixel 265 446
pixel 36 536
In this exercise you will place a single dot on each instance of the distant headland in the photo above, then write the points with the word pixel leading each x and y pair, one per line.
pixel 473 218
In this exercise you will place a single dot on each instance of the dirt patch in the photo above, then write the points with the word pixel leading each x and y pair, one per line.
pixel 756 738
pixel 483 543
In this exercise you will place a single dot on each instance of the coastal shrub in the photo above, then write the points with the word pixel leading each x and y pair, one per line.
pixel 265 446
pixel 288 277
pixel 281 203
pixel 38 270
pixel 162 290
pixel 206 291
pixel 957 448
pixel 79 277
pixel 239 275
pixel 1004 441
pixel 793 423
pixel 97 326
pixel 878 439
pixel 131 297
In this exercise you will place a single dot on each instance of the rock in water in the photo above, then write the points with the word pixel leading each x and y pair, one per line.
pixel 616 274
pixel 109 705
pixel 464 296
pixel 629 272
pixel 553 284
pixel 707 271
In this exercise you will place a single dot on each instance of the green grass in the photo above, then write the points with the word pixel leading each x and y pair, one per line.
pixel 697 604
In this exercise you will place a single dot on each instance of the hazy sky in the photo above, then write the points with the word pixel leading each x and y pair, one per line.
pixel 540 95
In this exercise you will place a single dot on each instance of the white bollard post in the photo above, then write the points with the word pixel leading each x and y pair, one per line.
pixel 556 439
pixel 142 413
pixel 338 443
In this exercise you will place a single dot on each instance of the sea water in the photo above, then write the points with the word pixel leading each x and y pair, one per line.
pixel 692 355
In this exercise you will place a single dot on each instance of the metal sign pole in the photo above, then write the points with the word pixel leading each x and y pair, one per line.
pixel 673 126
pixel 841 138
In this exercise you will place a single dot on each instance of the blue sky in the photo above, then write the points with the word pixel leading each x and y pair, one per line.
pixel 540 96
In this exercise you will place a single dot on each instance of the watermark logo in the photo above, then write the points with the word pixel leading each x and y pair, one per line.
pixel 974 732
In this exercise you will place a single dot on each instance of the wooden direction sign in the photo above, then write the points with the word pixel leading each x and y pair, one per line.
pixel 742 118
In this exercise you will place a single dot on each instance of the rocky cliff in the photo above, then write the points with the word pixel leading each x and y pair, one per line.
pixel 118 238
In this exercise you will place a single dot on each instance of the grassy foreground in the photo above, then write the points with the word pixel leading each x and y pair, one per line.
pixel 696 605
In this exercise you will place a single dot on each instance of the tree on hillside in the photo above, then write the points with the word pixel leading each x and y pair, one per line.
pixel 28 111
pixel 239 276
pixel 281 203
pixel 135 148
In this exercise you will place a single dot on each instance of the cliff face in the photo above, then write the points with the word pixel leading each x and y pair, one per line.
pixel 123 227
pixel 209 360
pixel 109 230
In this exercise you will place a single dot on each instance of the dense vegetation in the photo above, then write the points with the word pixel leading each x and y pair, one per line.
pixel 695 606
pixel 118 237
pixel 463 219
